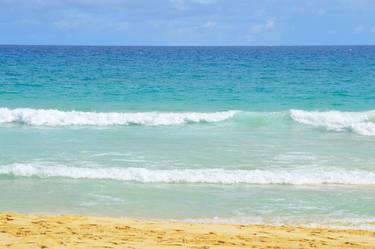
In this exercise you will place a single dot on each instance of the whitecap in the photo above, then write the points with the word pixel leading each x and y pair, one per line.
pixel 204 175
pixel 358 122
pixel 49 117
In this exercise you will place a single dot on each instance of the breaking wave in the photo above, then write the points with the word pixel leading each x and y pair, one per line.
pixel 359 122
pixel 207 175
pixel 42 117
pixel 362 123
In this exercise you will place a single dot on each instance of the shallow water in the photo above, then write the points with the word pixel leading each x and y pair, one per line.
pixel 238 134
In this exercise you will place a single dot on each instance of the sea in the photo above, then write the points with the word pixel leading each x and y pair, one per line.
pixel 278 135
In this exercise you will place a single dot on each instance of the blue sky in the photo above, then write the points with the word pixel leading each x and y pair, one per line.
pixel 187 22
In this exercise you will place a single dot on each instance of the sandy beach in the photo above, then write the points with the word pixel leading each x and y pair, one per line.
pixel 69 231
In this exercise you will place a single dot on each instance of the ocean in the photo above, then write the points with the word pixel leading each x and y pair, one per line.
pixel 281 135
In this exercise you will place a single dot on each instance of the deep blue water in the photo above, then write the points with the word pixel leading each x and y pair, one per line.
pixel 188 78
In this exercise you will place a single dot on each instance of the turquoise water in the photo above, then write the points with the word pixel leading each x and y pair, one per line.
pixel 224 134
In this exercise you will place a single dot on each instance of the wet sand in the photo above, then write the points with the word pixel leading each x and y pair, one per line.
pixel 69 231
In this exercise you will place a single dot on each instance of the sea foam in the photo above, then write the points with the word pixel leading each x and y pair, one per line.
pixel 42 117
pixel 362 123
pixel 205 175
pixel 358 122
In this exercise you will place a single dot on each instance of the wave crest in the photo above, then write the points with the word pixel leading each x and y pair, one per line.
pixel 362 123
pixel 42 117
pixel 208 175
pixel 358 122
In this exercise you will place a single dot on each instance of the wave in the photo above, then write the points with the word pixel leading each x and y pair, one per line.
pixel 207 175
pixel 359 122
pixel 362 123
pixel 42 117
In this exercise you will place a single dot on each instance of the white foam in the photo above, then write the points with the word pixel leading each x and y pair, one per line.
pixel 213 176
pixel 41 117
pixel 358 122
pixel 343 223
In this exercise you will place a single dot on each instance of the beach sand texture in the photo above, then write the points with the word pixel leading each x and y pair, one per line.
pixel 69 231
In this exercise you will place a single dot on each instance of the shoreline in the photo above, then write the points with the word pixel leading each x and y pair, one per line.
pixel 76 231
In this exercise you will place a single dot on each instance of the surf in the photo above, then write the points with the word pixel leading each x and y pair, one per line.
pixel 331 176
pixel 52 117
pixel 361 123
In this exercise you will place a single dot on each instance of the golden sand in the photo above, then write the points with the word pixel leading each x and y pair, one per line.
pixel 39 231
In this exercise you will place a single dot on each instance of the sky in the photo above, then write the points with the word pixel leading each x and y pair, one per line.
pixel 187 22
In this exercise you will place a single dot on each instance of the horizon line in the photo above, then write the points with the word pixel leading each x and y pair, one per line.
pixel 103 45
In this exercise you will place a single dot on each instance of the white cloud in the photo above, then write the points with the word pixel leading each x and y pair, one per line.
pixel 178 4
pixel 96 2
pixel 85 21
pixel 184 4
pixel 257 28
pixel 72 21
pixel 193 1
pixel 204 1
pixel 362 28
pixel 359 28
pixel 64 24
pixel 270 24
pixel 321 12
pixel 118 26
pixel 264 26
pixel 210 24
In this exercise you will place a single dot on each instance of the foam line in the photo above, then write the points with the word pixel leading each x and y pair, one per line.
pixel 206 175
pixel 42 117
